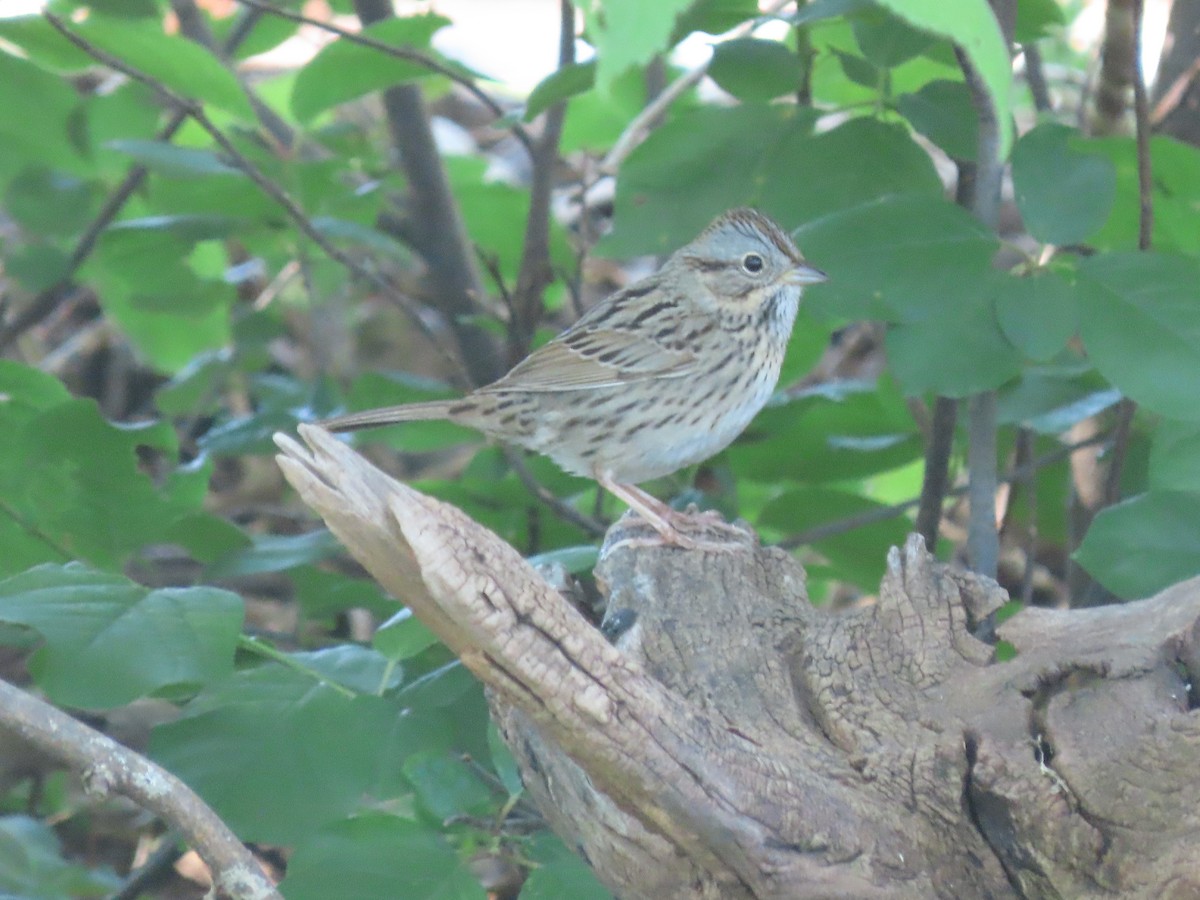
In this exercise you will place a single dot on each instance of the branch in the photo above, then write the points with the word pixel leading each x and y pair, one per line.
pixel 189 108
pixel 983 542
pixel 688 778
pixel 936 479
pixel 1141 116
pixel 437 229
pixel 108 768
pixel 590 526
pixel 535 272
pixel 1035 77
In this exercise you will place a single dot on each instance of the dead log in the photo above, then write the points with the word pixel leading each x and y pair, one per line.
pixel 735 742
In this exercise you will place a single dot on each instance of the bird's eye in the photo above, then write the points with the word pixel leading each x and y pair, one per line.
pixel 752 263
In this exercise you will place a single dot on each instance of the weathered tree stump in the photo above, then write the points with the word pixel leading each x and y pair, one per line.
pixel 735 742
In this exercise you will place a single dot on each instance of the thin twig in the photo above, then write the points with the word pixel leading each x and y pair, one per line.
pixel 108 768
pixel 535 272
pixel 195 111
pixel 437 231
pixel 936 479
pixel 1035 77
pixel 1172 96
pixel 884 513
pixel 405 53
pixel 983 540
pixel 1141 118
pixel 590 526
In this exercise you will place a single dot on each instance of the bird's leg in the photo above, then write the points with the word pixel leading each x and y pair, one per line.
pixel 666 520
pixel 649 507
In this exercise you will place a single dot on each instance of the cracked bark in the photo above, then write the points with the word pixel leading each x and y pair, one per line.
pixel 735 742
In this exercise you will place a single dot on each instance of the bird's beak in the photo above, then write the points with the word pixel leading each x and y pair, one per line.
pixel 804 274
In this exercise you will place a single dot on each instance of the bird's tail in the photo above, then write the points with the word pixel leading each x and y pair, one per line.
pixel 387 415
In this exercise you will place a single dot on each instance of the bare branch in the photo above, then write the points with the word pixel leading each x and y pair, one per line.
pixel 535 272
pixel 983 540
pixel 108 768
pixel 436 228
pixel 936 478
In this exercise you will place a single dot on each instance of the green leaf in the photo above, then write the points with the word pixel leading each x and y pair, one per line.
pixel 45 46
pixel 1050 401
pixel 361 669
pixel 560 85
pixel 266 33
pixel 503 762
pixel 887 41
pixel 1145 544
pixel 278 755
pixel 109 641
pixel 1141 324
pixel 343 70
pixel 1038 314
pixel 713 17
pixel 37 266
pixel 49 203
pixel 275 553
pixel 860 71
pixel 338 230
pixel 1035 19
pixel 974 28
pixel 447 786
pixel 853 431
pixel 754 69
pixel 360 858
pixel 169 159
pixel 820 10
pixel 574 559
pixel 566 877
pixel 631 33
pixel 1175 457
pixel 182 65
pixel 149 288
pixel 33 95
pixel 942 111
pixel 32 865
pixel 909 258
pixel 403 636
pixel 957 356
pixel 130 9
pixel 1064 193
pixel 595 119
pixel 667 191
pixel 71 483
pixel 859 555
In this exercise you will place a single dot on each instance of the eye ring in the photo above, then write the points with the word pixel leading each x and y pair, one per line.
pixel 753 263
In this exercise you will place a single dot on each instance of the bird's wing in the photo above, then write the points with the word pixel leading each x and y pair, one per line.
pixel 583 358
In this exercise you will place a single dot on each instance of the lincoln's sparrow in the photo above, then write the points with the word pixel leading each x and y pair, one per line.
pixel 658 376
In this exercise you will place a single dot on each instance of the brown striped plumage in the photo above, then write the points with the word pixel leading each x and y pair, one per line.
pixel 658 376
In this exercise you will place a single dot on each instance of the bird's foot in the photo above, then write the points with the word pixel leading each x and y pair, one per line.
pixel 706 532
